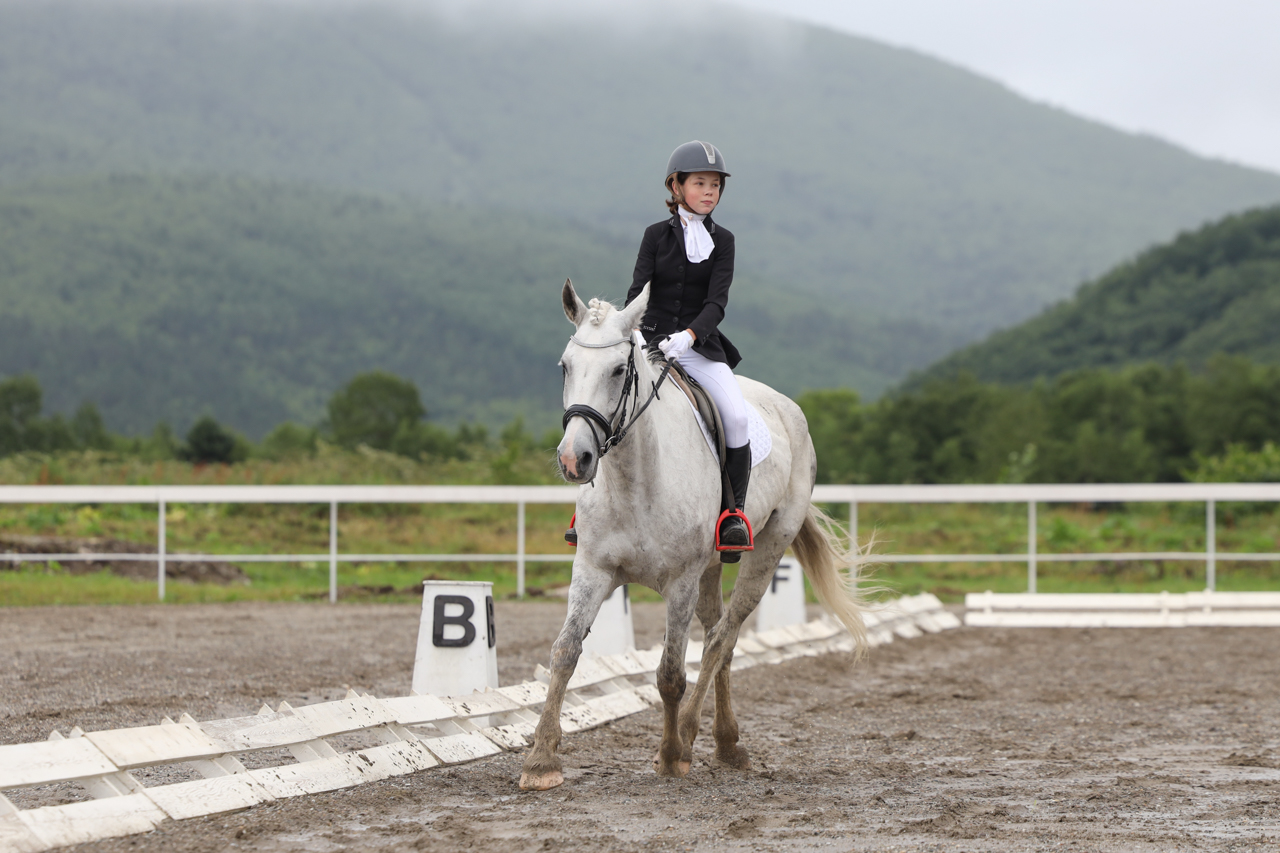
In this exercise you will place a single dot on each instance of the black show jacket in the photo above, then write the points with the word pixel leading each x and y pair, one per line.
pixel 684 295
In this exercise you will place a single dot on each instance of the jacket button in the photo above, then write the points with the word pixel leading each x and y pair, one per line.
pixel 677 303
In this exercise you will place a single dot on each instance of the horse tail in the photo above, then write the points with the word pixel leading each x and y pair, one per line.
pixel 833 571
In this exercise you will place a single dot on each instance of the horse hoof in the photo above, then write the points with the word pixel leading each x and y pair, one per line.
pixel 737 759
pixel 541 781
pixel 676 770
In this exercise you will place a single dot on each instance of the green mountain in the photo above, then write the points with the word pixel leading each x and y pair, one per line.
pixel 1215 290
pixel 889 207
pixel 163 298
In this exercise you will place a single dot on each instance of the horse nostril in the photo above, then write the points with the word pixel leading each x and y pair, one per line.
pixel 586 459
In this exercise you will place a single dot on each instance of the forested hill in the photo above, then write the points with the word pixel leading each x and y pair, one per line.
pixel 1215 290
pixel 161 298
pixel 321 188
pixel 902 185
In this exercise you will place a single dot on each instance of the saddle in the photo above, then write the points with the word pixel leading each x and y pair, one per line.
pixel 711 415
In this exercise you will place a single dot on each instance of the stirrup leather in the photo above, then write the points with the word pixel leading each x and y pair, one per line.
pixel 751 538
pixel 571 535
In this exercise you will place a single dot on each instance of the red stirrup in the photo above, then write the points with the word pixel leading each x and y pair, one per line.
pixel 573 524
pixel 751 537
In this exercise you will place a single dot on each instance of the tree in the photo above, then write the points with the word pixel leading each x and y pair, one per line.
pixel 372 408
pixel 209 442
pixel 20 401
pixel 88 430
pixel 835 423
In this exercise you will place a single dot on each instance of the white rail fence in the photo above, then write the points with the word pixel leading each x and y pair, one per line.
pixel 1123 610
pixel 1210 494
pixel 382 738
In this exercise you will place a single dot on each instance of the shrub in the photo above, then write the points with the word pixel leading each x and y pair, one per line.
pixel 209 442
pixel 372 408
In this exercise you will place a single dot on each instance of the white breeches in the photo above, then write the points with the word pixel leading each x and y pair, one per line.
pixel 722 385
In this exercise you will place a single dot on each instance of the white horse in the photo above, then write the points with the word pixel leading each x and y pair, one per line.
pixel 650 519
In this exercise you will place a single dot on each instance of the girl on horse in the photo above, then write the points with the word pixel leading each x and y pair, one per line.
pixel 687 261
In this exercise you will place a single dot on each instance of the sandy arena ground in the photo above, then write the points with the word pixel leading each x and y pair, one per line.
pixel 973 740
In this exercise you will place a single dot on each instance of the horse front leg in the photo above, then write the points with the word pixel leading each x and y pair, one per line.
pixel 670 760
pixel 589 588
pixel 755 573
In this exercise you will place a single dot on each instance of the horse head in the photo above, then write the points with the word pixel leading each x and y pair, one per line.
pixel 594 365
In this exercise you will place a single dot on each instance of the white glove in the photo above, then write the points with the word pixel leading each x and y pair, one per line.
pixel 676 345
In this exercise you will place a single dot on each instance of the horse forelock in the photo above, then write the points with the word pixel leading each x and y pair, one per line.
pixel 598 310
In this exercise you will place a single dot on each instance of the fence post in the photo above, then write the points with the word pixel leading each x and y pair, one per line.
pixel 160 567
pixel 1210 545
pixel 1031 546
pixel 853 527
pixel 333 552
pixel 520 550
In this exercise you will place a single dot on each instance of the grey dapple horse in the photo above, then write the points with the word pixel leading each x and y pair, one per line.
pixel 648 519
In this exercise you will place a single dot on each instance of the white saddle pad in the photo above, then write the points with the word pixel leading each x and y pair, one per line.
pixel 757 433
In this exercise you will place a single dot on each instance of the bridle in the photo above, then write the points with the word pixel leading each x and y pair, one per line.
pixel 613 427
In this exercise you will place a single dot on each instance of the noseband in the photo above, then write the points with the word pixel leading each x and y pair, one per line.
pixel 613 435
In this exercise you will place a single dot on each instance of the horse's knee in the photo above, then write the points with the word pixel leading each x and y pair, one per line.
pixel 671 684
pixel 565 653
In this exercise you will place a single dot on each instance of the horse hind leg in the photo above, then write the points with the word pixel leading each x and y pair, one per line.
pixel 754 576
pixel 725 729
pixel 710 609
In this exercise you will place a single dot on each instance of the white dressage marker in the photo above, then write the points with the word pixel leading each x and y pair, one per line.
pixel 613 632
pixel 783 602
pixel 457 639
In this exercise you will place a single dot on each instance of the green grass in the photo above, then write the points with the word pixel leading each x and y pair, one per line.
pixel 230 529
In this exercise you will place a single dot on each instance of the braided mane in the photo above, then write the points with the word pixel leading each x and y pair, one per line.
pixel 598 310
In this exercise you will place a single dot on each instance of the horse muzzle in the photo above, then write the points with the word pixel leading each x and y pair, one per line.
pixel 578 454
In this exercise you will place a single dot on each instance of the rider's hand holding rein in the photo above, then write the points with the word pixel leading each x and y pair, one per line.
pixel 677 345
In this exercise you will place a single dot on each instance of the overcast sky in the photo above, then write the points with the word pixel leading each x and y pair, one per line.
pixel 1205 75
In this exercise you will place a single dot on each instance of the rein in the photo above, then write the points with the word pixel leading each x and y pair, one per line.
pixel 613 436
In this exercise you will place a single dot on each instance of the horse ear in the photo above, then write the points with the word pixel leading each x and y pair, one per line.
pixel 634 313
pixel 574 308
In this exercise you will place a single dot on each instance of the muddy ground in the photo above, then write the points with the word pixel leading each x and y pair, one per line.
pixel 977 739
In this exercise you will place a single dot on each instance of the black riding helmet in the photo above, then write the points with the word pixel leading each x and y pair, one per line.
pixel 695 156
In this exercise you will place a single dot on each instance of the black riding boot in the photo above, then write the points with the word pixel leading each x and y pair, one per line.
pixel 735 533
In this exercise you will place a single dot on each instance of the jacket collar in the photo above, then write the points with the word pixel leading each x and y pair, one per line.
pixel 675 223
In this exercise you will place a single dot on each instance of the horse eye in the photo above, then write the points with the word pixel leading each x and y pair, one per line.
pixel 617 371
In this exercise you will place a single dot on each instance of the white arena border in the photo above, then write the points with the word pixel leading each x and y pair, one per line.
pixel 414 733
pixel 1122 610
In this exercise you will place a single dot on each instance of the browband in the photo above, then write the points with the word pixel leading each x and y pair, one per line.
pixel 574 338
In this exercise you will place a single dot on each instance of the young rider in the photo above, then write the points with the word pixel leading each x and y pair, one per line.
pixel 687 261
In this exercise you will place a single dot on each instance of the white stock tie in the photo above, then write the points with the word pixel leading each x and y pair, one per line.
pixel 697 241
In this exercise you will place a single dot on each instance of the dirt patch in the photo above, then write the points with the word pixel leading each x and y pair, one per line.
pixel 191 571
pixel 974 740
